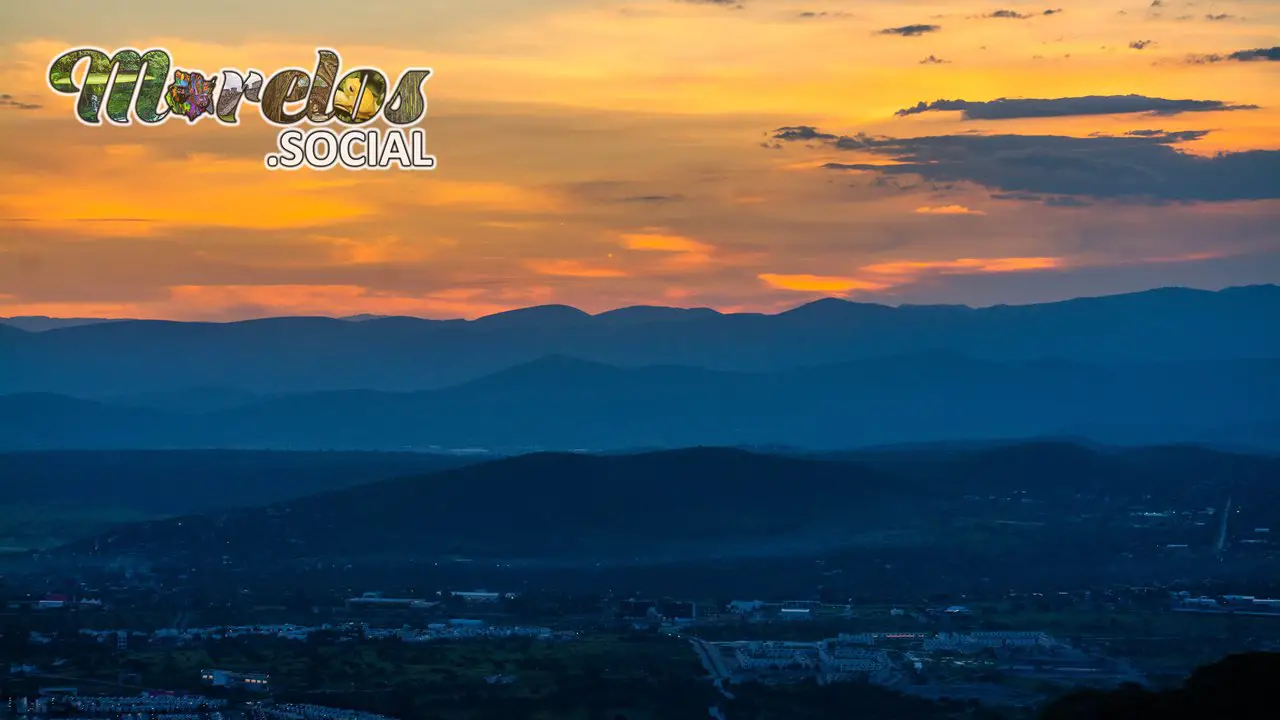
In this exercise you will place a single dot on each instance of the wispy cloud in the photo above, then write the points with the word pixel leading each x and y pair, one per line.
pixel 1005 108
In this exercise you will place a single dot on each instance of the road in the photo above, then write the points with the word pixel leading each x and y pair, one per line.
pixel 709 655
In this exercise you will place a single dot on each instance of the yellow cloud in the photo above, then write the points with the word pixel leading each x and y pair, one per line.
pixel 884 276
pixel 948 210
pixel 659 242
pixel 572 268
pixel 964 266
pixel 819 283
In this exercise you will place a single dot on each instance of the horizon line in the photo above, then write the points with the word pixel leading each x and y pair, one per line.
pixel 369 317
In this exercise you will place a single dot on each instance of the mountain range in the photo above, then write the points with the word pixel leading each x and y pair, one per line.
pixel 561 403
pixel 396 354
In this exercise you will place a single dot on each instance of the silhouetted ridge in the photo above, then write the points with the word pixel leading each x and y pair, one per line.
pixel 652 313
pixel 1239 687
pixel 706 502
pixel 538 316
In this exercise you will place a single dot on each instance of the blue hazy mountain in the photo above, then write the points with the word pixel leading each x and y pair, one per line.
pixel 41 323
pixel 289 355
pixel 559 402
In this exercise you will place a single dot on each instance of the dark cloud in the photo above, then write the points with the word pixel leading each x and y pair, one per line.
pixel 810 14
pixel 1221 16
pixel 7 102
pixel 1260 54
pixel 1066 201
pixel 1015 15
pixel 911 30
pixel 722 3
pixel 801 132
pixel 1142 168
pixel 933 60
pixel 1060 201
pixel 651 198
pixel 1005 108
pixel 1141 44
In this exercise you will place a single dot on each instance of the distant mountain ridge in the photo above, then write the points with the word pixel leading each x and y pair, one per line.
pixel 564 403
pixel 290 355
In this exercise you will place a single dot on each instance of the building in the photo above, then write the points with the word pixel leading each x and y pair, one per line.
pixel 256 682
pixel 376 601
pixel 482 596
pixel 973 642
pixel 775 656
pixel 638 610
pixel 678 610
pixel 840 659
pixel 52 601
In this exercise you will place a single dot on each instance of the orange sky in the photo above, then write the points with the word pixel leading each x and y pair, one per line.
pixel 602 154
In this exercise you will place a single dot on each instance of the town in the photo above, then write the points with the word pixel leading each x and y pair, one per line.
pixel 1013 651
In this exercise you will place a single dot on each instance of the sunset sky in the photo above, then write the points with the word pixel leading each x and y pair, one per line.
pixel 604 153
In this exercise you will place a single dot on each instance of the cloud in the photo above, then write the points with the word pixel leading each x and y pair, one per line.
pixel 809 15
pixel 661 242
pixel 1050 201
pixel 878 277
pixel 7 102
pixel 1015 15
pixel 910 30
pixel 932 60
pixel 238 302
pixel 680 254
pixel 801 132
pixel 572 269
pixel 1143 169
pixel 1007 108
pixel 1141 44
pixel 734 4
pixel 651 198
pixel 965 266
pixel 827 284
pixel 948 210
pixel 1220 16
pixel 1256 55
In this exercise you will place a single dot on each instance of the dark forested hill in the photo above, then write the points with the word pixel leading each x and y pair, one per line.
pixel 189 481
pixel 1029 501
pixel 1239 687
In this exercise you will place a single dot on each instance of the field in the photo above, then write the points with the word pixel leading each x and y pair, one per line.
pixel 36 527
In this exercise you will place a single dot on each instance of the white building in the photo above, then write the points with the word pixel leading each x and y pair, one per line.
pixel 481 595
pixel 975 641
pixel 846 660
pixel 225 678
pixel 775 656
